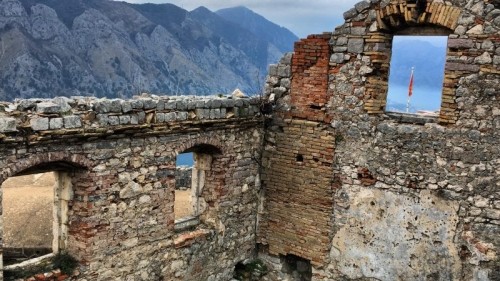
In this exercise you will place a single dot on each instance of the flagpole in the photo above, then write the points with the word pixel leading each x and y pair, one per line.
pixel 410 90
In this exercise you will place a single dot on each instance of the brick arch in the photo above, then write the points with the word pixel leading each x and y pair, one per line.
pixel 401 14
pixel 20 165
pixel 214 142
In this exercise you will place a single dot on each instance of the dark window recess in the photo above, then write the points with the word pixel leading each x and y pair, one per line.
pixel 299 158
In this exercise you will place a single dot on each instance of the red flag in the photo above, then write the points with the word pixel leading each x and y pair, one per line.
pixel 410 87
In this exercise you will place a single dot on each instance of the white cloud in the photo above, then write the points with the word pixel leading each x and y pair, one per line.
pixel 303 17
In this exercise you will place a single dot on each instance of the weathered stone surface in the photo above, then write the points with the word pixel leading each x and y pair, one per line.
pixel 422 226
pixel 48 107
pixel 460 43
pixel 39 124
pixel 56 123
pixel 362 6
pixel 411 199
pixel 71 122
pixel 351 13
pixel 453 66
pixel 355 45
pixel 7 124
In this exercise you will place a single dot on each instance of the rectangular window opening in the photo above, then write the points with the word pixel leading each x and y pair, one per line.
pixel 416 75
pixel 184 196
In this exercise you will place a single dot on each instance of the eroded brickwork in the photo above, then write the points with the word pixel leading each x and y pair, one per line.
pixel 310 78
pixel 298 179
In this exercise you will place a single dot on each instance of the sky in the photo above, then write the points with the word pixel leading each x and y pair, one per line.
pixel 302 17
pixel 427 93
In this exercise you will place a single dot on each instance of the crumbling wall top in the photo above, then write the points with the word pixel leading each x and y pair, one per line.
pixel 90 115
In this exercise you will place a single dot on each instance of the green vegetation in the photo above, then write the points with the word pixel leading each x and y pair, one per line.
pixel 250 271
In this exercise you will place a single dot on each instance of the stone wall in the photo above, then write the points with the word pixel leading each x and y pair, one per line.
pixel 403 197
pixel 120 156
pixel 350 190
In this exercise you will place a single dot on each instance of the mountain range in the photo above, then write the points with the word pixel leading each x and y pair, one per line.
pixel 113 49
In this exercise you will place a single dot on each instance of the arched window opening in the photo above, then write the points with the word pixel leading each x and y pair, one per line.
pixel 192 166
pixel 416 74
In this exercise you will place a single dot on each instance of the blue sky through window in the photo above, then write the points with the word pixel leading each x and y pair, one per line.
pixel 427 55
pixel 184 159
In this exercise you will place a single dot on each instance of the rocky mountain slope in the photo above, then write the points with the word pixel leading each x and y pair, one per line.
pixel 116 49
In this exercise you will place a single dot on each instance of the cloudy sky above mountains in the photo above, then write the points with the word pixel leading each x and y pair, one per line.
pixel 302 17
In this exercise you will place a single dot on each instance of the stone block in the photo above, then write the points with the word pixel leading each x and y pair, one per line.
pixel 273 70
pixel 361 6
pixel 136 104
pixel 350 13
pixel 169 105
pixel 200 104
pixel 455 66
pixel 170 117
pixel 56 123
pixel 337 58
pixel 124 120
pixel 460 43
pixel 115 106
pixel 102 119
pixel 26 104
pixel 48 108
pixel 339 49
pixel 359 30
pixel 71 122
pixel 141 117
pixel 286 82
pixel 287 58
pixel 191 105
pixel 182 116
pixel 7 124
pixel 181 105
pixel 284 71
pixel 63 102
pixel 160 105
pixel 355 45
pixel 134 119
pixel 126 106
pixel 485 58
pixel 113 120
pixel 102 106
pixel 148 103
pixel 160 117
pixel 217 103
pixel 341 41
pixel 39 124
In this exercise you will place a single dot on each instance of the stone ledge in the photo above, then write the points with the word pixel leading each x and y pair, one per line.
pixel 188 238
pixel 411 118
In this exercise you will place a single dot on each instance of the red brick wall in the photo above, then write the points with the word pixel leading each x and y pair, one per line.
pixel 310 65
pixel 298 180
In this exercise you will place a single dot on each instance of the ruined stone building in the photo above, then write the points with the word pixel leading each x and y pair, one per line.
pixel 316 175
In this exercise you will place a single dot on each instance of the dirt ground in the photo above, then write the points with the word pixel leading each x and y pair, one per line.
pixel 28 206
pixel 182 206
pixel 27 210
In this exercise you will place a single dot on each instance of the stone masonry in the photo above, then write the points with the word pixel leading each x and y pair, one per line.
pixel 120 157
pixel 376 195
pixel 316 172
